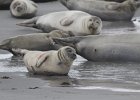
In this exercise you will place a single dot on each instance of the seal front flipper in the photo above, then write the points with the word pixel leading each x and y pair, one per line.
pixel 18 51
pixel 42 58
pixel 66 21
pixel 29 23
pixel 71 41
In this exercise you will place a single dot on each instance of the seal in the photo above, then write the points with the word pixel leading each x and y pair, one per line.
pixel 115 0
pixel 77 22
pixel 35 41
pixel 23 8
pixel 106 10
pixel 53 62
pixel 122 47
pixel 5 4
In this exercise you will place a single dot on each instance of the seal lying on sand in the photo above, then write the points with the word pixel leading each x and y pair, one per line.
pixel 77 22
pixel 38 41
pixel 49 62
pixel 115 0
pixel 112 11
pixel 23 8
pixel 5 4
pixel 122 47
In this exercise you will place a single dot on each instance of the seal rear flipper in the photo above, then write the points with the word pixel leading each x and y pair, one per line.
pixel 29 23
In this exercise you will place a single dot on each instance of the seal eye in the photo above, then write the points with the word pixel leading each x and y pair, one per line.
pixel 68 50
pixel 90 19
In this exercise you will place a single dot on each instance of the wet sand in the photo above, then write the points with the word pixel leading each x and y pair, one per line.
pixel 86 80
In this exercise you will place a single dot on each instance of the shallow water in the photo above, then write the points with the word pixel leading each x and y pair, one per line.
pixel 118 77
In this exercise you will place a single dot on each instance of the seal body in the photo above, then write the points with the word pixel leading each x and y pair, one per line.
pixel 122 47
pixel 23 8
pixel 5 4
pixel 49 62
pixel 106 10
pixel 36 41
pixel 77 22
pixel 115 0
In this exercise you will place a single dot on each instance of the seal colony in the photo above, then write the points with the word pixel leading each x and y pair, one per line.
pixel 109 11
pixel 23 8
pixel 77 22
pixel 122 47
pixel 35 41
pixel 71 32
pixel 49 62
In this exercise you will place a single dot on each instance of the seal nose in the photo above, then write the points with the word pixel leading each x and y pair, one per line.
pixel 19 9
pixel 95 22
pixel 73 56
pixel 71 53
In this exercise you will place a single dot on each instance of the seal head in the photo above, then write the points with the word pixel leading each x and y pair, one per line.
pixel 93 24
pixel 66 54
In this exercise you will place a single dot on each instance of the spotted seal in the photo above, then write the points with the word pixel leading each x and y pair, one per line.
pixel 35 41
pixel 120 47
pixel 53 62
pixel 77 22
pixel 23 8
pixel 106 10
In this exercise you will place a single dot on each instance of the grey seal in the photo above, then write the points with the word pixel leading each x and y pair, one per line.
pixel 106 10
pixel 122 47
pixel 23 8
pixel 53 62
pixel 35 41
pixel 77 22
pixel 5 4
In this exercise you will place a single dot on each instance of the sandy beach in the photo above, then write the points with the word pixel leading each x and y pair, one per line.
pixel 86 80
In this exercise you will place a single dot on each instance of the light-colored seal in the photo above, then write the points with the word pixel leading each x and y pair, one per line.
pixel 49 62
pixel 36 41
pixel 122 47
pixel 106 10
pixel 77 22
pixel 23 8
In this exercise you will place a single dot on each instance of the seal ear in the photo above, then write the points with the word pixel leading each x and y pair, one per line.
pixel 66 21
pixel 41 60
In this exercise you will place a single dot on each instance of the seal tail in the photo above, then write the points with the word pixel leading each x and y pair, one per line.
pixel 70 41
pixel 20 51
pixel 29 23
